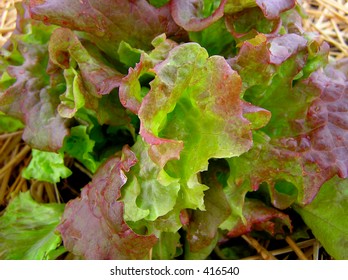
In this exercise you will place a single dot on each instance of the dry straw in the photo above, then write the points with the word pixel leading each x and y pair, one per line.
pixel 330 19
pixel 8 19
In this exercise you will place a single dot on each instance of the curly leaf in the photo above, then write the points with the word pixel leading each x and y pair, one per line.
pixel 257 216
pixel 149 192
pixel 131 90
pixel 202 228
pixel 89 78
pixel 270 8
pixel 66 50
pixel 195 15
pixel 93 226
pixel 246 17
pixel 290 143
pixel 46 166
pixel 107 23
pixel 190 86
pixel 31 97
pixel 79 145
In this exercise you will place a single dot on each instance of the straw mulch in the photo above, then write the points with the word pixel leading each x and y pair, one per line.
pixel 330 19
pixel 327 17
pixel 8 19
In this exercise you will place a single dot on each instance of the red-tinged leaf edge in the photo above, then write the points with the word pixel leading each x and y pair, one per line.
pixel 273 8
pixel 184 13
pixel 259 217
pixel 93 226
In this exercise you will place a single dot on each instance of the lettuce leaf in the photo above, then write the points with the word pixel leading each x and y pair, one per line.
pixel 188 87
pixel 46 166
pixel 270 8
pixel 89 78
pixel 27 229
pixel 267 219
pixel 290 143
pixel 215 39
pixel 202 226
pixel 93 225
pixel 31 98
pixel 149 193
pixel 131 91
pixel 329 223
pixel 107 23
pixel 80 146
pixel 9 124
pixel 182 109
pixel 196 15
pixel 167 247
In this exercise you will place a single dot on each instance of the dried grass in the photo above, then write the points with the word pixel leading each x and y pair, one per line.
pixel 14 157
pixel 305 250
pixel 330 19
pixel 7 20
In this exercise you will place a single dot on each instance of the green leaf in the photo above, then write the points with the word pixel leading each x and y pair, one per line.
pixel 215 39
pixel 167 246
pixel 46 166
pixel 287 149
pixel 202 228
pixel 327 217
pixel 9 124
pixel 234 6
pixel 89 77
pixel 79 145
pixel 54 254
pixel 195 15
pixel 136 23
pixel 131 90
pixel 270 8
pixel 258 216
pixel 194 111
pixel 72 99
pixel 96 217
pixel 149 192
pixel 6 81
pixel 158 3
pixel 31 95
pixel 128 56
pixel 27 229
pixel 250 20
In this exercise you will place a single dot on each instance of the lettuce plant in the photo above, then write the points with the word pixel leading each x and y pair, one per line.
pixel 200 120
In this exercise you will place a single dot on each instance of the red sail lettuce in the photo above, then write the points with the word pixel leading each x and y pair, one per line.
pixel 30 96
pixel 93 225
pixel 312 125
pixel 191 14
pixel 203 120
pixel 88 76
pixel 267 219
pixel 107 22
